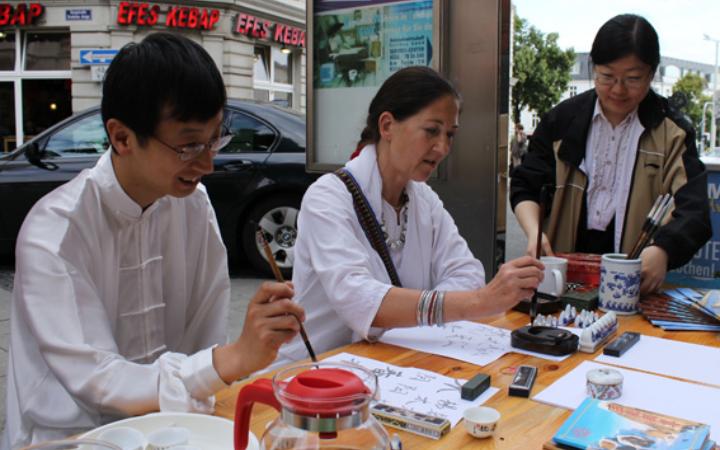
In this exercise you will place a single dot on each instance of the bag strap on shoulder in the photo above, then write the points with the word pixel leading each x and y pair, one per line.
pixel 369 223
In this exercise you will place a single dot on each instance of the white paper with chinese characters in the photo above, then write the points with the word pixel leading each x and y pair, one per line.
pixel 416 389
pixel 475 343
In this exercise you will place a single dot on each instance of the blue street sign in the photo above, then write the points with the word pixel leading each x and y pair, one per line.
pixel 97 55
pixel 78 14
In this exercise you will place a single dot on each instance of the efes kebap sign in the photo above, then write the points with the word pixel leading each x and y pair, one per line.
pixel 252 26
pixel 146 14
pixel 20 14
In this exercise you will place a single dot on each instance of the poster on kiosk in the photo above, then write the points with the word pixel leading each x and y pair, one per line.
pixel 703 271
pixel 355 46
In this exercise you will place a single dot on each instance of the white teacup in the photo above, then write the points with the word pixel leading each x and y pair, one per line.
pixel 555 276
pixel 124 437
pixel 481 421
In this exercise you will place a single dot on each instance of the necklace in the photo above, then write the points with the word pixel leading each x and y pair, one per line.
pixel 396 244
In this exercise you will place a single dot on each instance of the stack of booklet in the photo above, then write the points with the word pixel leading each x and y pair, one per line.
pixel 597 425
pixel 683 309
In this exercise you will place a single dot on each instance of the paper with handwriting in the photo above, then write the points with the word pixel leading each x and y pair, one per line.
pixel 472 342
pixel 416 389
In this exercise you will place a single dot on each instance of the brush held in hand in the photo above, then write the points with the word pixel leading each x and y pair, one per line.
pixel 652 224
pixel 538 247
pixel 260 236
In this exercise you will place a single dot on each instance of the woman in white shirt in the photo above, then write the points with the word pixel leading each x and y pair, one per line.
pixel 609 153
pixel 340 278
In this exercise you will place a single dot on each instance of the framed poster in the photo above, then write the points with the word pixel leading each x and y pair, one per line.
pixel 354 47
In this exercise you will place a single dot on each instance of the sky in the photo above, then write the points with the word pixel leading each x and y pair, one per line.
pixel 680 24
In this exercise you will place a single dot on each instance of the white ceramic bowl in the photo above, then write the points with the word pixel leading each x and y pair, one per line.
pixel 166 438
pixel 126 438
pixel 481 421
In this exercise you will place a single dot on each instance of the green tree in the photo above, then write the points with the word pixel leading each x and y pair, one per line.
pixel 691 86
pixel 540 68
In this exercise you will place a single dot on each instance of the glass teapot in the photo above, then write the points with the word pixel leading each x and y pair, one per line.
pixel 323 405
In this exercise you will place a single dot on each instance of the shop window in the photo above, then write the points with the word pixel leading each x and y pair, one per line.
pixel 45 103
pixel 282 67
pixel 35 93
pixel 47 51
pixel 83 137
pixel 261 66
pixel 7 50
pixel 7 116
pixel 249 135
pixel 273 82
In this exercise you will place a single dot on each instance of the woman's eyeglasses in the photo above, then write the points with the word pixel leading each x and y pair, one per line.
pixel 633 82
pixel 192 151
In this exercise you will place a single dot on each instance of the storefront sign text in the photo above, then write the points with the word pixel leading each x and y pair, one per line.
pixel 21 14
pixel 145 14
pixel 258 28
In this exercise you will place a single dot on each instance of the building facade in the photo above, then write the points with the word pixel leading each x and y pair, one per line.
pixel 667 74
pixel 53 53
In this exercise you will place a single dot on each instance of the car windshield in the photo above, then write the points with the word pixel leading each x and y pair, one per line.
pixel 80 138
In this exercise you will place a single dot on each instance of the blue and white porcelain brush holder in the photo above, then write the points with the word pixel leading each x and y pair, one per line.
pixel 619 284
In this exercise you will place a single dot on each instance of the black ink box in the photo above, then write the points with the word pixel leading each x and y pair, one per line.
pixel 475 386
pixel 581 298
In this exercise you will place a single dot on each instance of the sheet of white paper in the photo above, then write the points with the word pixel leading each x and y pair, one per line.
pixel 472 342
pixel 641 390
pixel 677 359
pixel 418 390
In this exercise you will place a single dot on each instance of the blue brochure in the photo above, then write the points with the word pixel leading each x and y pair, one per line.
pixel 597 425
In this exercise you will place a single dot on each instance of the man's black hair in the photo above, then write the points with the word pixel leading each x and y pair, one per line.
pixel 165 76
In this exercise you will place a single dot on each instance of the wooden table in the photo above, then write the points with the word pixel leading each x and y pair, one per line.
pixel 525 424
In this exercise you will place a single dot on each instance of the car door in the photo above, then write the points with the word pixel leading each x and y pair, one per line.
pixel 239 168
pixel 63 153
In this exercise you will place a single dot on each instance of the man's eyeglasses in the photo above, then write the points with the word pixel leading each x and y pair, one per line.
pixel 633 82
pixel 192 151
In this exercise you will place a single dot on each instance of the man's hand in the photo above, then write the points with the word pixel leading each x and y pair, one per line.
pixel 271 320
pixel 516 280
pixel 653 269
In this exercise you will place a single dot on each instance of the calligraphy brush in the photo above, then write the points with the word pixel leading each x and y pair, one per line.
pixel 656 222
pixel 647 224
pixel 279 278
pixel 538 249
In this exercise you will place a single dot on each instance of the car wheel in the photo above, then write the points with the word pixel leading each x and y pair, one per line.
pixel 277 216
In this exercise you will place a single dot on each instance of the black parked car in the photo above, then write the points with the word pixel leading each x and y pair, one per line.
pixel 259 177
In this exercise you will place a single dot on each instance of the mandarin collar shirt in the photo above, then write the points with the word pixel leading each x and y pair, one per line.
pixel 340 279
pixel 609 162
pixel 115 310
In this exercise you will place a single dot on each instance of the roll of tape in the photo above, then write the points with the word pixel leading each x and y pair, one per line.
pixel 604 384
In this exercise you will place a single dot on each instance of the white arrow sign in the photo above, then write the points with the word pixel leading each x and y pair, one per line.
pixel 97 55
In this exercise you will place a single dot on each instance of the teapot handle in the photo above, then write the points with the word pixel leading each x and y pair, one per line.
pixel 260 391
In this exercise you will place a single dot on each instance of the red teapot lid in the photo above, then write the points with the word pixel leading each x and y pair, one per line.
pixel 326 392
